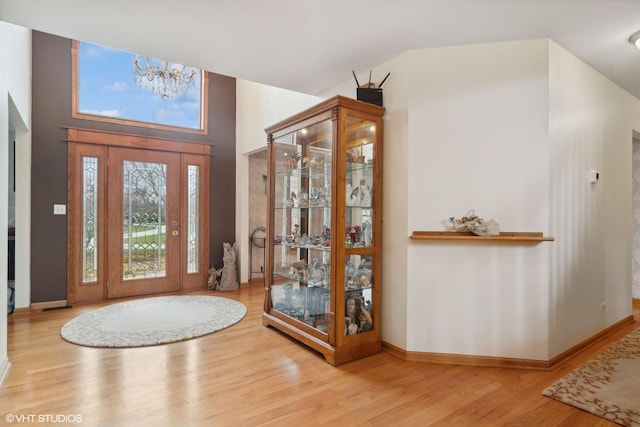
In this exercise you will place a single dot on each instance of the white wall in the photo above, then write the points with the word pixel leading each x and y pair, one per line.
pixel 15 109
pixel 635 250
pixel 591 127
pixel 510 130
pixel 478 140
pixel 257 107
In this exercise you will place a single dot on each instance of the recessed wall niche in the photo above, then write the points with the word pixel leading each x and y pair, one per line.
pixel 257 209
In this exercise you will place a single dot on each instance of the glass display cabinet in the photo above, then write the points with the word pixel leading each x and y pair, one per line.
pixel 323 251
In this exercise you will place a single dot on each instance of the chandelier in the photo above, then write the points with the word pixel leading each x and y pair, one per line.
pixel 163 78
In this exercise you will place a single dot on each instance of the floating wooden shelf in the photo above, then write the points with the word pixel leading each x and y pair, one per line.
pixel 511 236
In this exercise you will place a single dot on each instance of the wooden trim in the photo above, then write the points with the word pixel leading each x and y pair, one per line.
pixel 635 303
pixel 327 105
pixel 505 362
pixel 616 327
pixel 461 359
pixel 76 114
pixel 303 123
pixel 514 236
pixel 326 349
pixel 125 140
pixel 48 304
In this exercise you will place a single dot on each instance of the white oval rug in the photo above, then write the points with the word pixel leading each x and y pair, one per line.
pixel 152 321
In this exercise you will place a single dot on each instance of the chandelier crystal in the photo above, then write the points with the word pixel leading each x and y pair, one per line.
pixel 165 79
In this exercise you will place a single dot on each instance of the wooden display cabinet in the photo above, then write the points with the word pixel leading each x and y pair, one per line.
pixel 323 251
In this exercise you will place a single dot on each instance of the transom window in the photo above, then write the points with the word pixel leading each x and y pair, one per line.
pixel 122 87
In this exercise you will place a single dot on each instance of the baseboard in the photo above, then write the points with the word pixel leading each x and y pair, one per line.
pixel 616 327
pixel 636 303
pixel 505 362
pixel 48 304
pixel 462 359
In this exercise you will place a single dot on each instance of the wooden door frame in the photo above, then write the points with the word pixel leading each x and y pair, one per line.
pixel 80 142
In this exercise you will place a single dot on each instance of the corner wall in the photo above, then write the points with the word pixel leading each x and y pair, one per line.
pixel 590 127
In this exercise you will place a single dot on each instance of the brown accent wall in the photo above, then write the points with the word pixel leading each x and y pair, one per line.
pixel 51 114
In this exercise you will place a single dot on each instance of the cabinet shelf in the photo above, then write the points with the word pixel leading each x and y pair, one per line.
pixel 305 282
pixel 307 247
pixel 313 171
pixel 304 207
pixel 505 236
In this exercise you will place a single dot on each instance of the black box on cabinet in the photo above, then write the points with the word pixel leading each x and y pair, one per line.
pixel 372 95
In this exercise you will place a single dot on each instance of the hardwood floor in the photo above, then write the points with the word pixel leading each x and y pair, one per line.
pixel 250 375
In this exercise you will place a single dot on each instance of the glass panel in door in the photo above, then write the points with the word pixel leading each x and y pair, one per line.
pixel 360 215
pixel 301 270
pixel 144 217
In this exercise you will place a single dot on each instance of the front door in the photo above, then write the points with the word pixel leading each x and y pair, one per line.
pixel 143 222
pixel 138 218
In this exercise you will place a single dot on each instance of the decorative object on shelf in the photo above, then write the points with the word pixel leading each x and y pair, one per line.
pixel 354 232
pixel 165 79
pixel 229 277
pixel 359 196
pixel 366 232
pixel 358 317
pixel 295 234
pixel 303 200
pixel 293 161
pixel 474 224
pixel 356 155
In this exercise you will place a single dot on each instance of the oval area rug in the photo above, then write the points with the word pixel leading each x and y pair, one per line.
pixel 152 321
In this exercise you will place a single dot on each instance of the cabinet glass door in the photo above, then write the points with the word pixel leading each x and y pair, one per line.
pixel 301 259
pixel 359 225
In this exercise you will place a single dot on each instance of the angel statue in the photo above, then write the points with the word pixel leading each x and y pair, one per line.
pixel 229 278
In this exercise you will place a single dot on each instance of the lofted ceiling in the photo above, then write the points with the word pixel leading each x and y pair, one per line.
pixel 309 46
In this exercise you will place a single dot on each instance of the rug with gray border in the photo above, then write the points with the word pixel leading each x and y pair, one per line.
pixel 153 321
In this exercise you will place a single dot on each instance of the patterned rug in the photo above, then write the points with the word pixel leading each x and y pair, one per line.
pixel 608 385
pixel 152 321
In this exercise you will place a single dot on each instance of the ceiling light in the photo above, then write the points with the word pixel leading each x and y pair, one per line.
pixel 635 39
pixel 163 78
